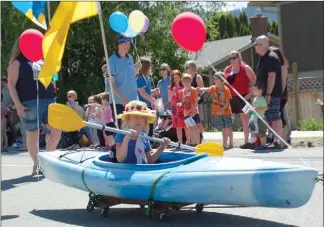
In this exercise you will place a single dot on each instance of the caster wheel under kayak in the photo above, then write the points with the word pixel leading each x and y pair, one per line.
pixel 104 212
pixel 162 216
pixel 142 206
pixel 90 207
pixel 199 207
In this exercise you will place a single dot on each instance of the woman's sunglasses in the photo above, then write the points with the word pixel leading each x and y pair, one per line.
pixel 233 58
pixel 163 69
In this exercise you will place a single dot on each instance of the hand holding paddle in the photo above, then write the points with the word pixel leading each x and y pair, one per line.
pixel 64 118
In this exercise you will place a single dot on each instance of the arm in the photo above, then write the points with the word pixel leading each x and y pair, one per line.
pixel 261 109
pixel 203 89
pixel 251 75
pixel 194 108
pixel 284 75
pixel 116 91
pixel 145 95
pixel 169 96
pixel 13 73
pixel 271 82
pixel 152 157
pixel 122 149
pixel 200 81
pixel 226 104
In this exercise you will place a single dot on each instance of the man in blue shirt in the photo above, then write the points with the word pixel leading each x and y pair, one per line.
pixel 123 75
pixel 164 84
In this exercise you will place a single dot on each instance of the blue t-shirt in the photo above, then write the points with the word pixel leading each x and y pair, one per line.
pixel 131 158
pixel 163 85
pixel 144 81
pixel 125 78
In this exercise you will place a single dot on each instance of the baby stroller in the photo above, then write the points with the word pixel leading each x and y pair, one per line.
pixel 164 129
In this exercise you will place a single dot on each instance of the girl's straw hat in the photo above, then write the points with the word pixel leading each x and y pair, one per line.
pixel 140 109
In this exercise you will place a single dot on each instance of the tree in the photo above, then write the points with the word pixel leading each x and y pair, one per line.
pixel 222 26
pixel 274 28
pixel 230 25
pixel 237 25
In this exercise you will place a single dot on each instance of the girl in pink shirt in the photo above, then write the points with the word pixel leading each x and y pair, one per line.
pixel 106 116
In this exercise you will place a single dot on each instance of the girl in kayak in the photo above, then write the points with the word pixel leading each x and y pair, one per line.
pixel 132 149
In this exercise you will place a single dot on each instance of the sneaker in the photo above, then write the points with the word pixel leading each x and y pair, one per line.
pixel 261 148
pixel 248 145
pixel 230 147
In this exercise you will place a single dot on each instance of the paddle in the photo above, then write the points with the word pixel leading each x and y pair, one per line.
pixel 64 118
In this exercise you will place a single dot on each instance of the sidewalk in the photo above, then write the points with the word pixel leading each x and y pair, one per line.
pixel 217 136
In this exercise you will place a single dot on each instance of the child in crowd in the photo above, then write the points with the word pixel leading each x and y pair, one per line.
pixel 107 119
pixel 256 126
pixel 4 137
pixel 98 113
pixel 221 97
pixel 132 149
pixel 72 103
pixel 91 117
pixel 189 101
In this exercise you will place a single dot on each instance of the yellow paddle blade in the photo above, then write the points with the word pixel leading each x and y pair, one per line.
pixel 211 148
pixel 64 118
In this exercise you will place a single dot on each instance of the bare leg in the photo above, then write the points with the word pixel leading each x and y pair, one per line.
pixel 201 128
pixel 32 144
pixel 195 134
pixel 245 124
pixel 277 126
pixel 179 134
pixel 230 136
pixel 53 138
pixel 110 140
pixel 187 132
pixel 224 134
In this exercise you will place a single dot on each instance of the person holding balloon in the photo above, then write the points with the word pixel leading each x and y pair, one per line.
pixel 30 97
pixel 123 75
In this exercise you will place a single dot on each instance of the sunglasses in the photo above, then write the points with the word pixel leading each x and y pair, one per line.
pixel 257 44
pixel 163 69
pixel 233 58
pixel 69 96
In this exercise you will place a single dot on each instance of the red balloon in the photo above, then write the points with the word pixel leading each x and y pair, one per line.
pixel 189 31
pixel 30 44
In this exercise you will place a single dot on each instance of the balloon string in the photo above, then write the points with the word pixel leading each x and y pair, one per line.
pixel 137 55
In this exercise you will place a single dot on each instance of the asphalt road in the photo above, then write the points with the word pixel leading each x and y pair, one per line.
pixel 28 201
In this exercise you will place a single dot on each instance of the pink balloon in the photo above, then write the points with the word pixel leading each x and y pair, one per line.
pixel 30 44
pixel 189 31
pixel 146 25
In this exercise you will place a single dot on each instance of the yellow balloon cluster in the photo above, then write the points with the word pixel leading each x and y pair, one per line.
pixel 136 20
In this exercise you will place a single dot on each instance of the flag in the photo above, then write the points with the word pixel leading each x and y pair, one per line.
pixel 55 38
pixel 33 10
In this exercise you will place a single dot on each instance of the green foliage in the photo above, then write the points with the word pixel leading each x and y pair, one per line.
pixel 311 124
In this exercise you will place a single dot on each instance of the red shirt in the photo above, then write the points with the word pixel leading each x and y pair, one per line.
pixel 241 82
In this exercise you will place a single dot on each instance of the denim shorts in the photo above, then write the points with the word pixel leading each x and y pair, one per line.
pixel 273 112
pixel 30 118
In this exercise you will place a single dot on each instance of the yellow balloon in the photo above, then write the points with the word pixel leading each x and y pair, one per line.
pixel 136 20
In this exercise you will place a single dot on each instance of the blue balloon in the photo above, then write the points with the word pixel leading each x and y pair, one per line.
pixel 130 33
pixel 118 22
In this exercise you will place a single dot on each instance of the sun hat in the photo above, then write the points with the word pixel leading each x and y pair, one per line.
pixel 138 108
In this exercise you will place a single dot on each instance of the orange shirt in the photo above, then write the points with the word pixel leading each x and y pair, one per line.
pixel 219 97
pixel 188 99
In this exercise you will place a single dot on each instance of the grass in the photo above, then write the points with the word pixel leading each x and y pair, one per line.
pixel 311 124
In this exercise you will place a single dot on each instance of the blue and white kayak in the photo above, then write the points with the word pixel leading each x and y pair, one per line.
pixel 185 178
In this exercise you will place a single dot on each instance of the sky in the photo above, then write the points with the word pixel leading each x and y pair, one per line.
pixel 236 5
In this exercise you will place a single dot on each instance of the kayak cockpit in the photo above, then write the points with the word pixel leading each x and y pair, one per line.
pixel 167 160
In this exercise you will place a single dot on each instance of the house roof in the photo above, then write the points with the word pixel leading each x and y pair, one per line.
pixel 218 51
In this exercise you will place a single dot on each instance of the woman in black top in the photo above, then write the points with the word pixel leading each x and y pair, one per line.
pixel 25 89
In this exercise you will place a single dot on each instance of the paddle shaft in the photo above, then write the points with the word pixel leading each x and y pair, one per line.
pixel 115 130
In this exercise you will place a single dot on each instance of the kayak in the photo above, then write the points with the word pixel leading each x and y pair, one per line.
pixel 183 177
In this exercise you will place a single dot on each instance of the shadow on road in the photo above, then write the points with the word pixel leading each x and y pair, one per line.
pixel 7 217
pixel 12 183
pixel 136 217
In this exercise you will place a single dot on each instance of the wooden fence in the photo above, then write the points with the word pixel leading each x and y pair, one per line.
pixel 303 93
